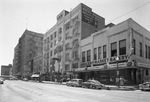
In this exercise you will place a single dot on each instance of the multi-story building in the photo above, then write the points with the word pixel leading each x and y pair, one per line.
pixel 6 70
pixel 16 61
pixel 62 41
pixel 122 50
pixel 38 64
pixel 30 44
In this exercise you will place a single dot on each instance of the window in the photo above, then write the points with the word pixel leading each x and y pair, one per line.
pixel 75 55
pixel 60 38
pixel 67 25
pixel 47 55
pixel 52 37
pixel 51 53
pixel 149 52
pixel 140 49
pixel 48 40
pixel 95 53
pixel 67 36
pixel 89 55
pixel 55 34
pixel 99 52
pixel 51 44
pixel 44 41
pixel 75 65
pixel 60 30
pixel 146 55
pixel 122 47
pixel 67 46
pixel 104 51
pixel 55 43
pixel 114 49
pixel 55 51
pixel 134 47
pixel 83 56
pixel 67 67
pixel 147 72
pixel 67 57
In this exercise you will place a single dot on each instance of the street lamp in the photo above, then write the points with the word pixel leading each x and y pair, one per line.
pixel 117 77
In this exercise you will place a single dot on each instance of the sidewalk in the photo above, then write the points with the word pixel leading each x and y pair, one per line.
pixel 125 88
pixel 52 82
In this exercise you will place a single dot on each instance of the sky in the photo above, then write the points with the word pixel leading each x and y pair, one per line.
pixel 40 15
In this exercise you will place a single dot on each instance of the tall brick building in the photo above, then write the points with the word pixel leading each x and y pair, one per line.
pixel 29 45
pixel 62 41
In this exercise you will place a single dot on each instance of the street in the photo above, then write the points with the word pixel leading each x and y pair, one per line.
pixel 26 91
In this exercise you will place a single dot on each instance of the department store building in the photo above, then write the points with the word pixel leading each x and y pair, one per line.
pixel 121 50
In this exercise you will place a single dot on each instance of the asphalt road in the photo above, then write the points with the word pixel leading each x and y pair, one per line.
pixel 22 91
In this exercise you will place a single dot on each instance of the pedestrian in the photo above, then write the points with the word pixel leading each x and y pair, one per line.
pixel 121 81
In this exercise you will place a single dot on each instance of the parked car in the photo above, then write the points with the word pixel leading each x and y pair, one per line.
pixel 2 78
pixel 145 86
pixel 13 78
pixel 94 84
pixel 25 79
pixel 1 81
pixel 75 82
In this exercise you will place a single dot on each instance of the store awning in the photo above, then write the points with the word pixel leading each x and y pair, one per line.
pixel 35 76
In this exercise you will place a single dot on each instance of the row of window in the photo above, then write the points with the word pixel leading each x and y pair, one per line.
pixel 141 54
pixel 52 36
pixel 101 51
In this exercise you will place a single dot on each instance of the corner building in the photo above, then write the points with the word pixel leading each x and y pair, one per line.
pixel 127 41
pixel 62 42
pixel 29 45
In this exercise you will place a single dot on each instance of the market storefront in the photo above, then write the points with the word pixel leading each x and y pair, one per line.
pixel 132 72
pixel 108 76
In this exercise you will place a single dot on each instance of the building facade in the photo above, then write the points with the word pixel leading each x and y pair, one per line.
pixel 62 41
pixel 6 70
pixel 38 64
pixel 16 61
pixel 122 50
pixel 29 45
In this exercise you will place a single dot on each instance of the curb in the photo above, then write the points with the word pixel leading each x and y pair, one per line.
pixel 123 89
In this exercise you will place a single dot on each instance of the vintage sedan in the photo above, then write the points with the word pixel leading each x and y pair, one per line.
pixel 75 82
pixel 1 81
pixel 145 86
pixel 94 84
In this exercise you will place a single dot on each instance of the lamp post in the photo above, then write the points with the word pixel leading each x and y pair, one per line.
pixel 117 77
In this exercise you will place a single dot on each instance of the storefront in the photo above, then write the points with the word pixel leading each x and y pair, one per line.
pixel 106 72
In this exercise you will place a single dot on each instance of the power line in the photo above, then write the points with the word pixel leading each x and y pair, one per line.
pixel 129 12
pixel 25 22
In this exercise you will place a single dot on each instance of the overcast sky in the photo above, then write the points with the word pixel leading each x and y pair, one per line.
pixel 40 15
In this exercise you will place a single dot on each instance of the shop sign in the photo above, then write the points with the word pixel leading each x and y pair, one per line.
pixel 105 60
pixel 119 65
pixel 143 65
pixel 80 69
pixel 96 67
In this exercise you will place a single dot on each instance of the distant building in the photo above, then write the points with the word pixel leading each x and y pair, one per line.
pixel 62 41
pixel 127 41
pixel 29 45
pixel 6 70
